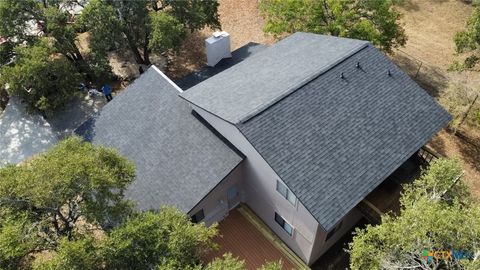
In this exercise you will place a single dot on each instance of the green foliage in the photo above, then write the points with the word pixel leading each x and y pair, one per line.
pixel 439 182
pixel 373 20
pixel 428 220
pixel 45 81
pixel 194 14
pixel 272 266
pixel 15 240
pixel 167 32
pixel 144 27
pixel 226 262
pixel 74 255
pixel 14 18
pixel 6 52
pixel 166 238
pixel 64 61
pixel 468 41
pixel 72 182
pixel 63 33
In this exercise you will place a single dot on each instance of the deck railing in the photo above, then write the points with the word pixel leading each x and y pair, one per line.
pixel 427 155
pixel 370 212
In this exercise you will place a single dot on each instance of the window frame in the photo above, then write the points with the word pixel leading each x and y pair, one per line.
pixel 288 193
pixel 284 224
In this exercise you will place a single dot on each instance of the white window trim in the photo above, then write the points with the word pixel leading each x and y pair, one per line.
pixel 287 222
pixel 288 191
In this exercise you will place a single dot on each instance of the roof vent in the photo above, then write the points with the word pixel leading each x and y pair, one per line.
pixel 342 76
pixel 357 65
pixel 389 73
pixel 217 47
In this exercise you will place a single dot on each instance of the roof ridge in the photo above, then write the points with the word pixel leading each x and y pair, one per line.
pixel 297 86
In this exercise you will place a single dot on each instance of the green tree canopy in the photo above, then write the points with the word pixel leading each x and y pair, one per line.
pixel 19 21
pixel 45 80
pixel 50 196
pixel 155 239
pixel 151 240
pixel 468 41
pixel 144 26
pixel 48 65
pixel 435 216
pixel 373 20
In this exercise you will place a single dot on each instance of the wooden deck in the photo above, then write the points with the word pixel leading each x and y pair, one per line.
pixel 240 237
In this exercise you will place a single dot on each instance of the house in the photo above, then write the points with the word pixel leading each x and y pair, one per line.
pixel 300 132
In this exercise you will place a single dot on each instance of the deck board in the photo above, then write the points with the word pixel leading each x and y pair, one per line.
pixel 240 237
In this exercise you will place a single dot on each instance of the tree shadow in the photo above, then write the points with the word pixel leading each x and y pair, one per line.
pixel 190 57
pixel 437 143
pixel 470 149
pixel 206 72
pixel 409 5
pixel 70 117
pixel 432 79
pixel 22 135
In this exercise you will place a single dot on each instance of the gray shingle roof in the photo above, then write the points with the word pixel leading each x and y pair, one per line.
pixel 254 84
pixel 178 159
pixel 335 139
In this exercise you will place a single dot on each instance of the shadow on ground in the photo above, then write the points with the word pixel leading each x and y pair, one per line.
pixel 432 79
pixel 470 149
pixel 190 56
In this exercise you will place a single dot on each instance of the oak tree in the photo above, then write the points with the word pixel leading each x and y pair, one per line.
pixel 374 20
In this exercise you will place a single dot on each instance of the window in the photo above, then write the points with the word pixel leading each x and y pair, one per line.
pixel 286 193
pixel 199 216
pixel 287 227
pixel 334 230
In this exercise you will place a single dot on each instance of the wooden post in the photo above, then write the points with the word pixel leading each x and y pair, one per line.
pixel 418 70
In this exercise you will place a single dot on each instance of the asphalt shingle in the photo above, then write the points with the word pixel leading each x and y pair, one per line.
pixel 334 139
pixel 262 79
pixel 178 159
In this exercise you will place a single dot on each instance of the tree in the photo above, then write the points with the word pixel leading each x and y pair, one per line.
pixel 71 189
pixel 44 80
pixel 16 242
pixel 162 240
pixel 150 240
pixel 145 26
pixel 78 254
pixel 48 64
pixel 373 20
pixel 468 41
pixel 23 22
pixel 435 219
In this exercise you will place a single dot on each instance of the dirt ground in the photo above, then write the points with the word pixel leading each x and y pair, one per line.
pixel 240 18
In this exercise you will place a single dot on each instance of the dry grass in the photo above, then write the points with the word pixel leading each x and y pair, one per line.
pixel 431 26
